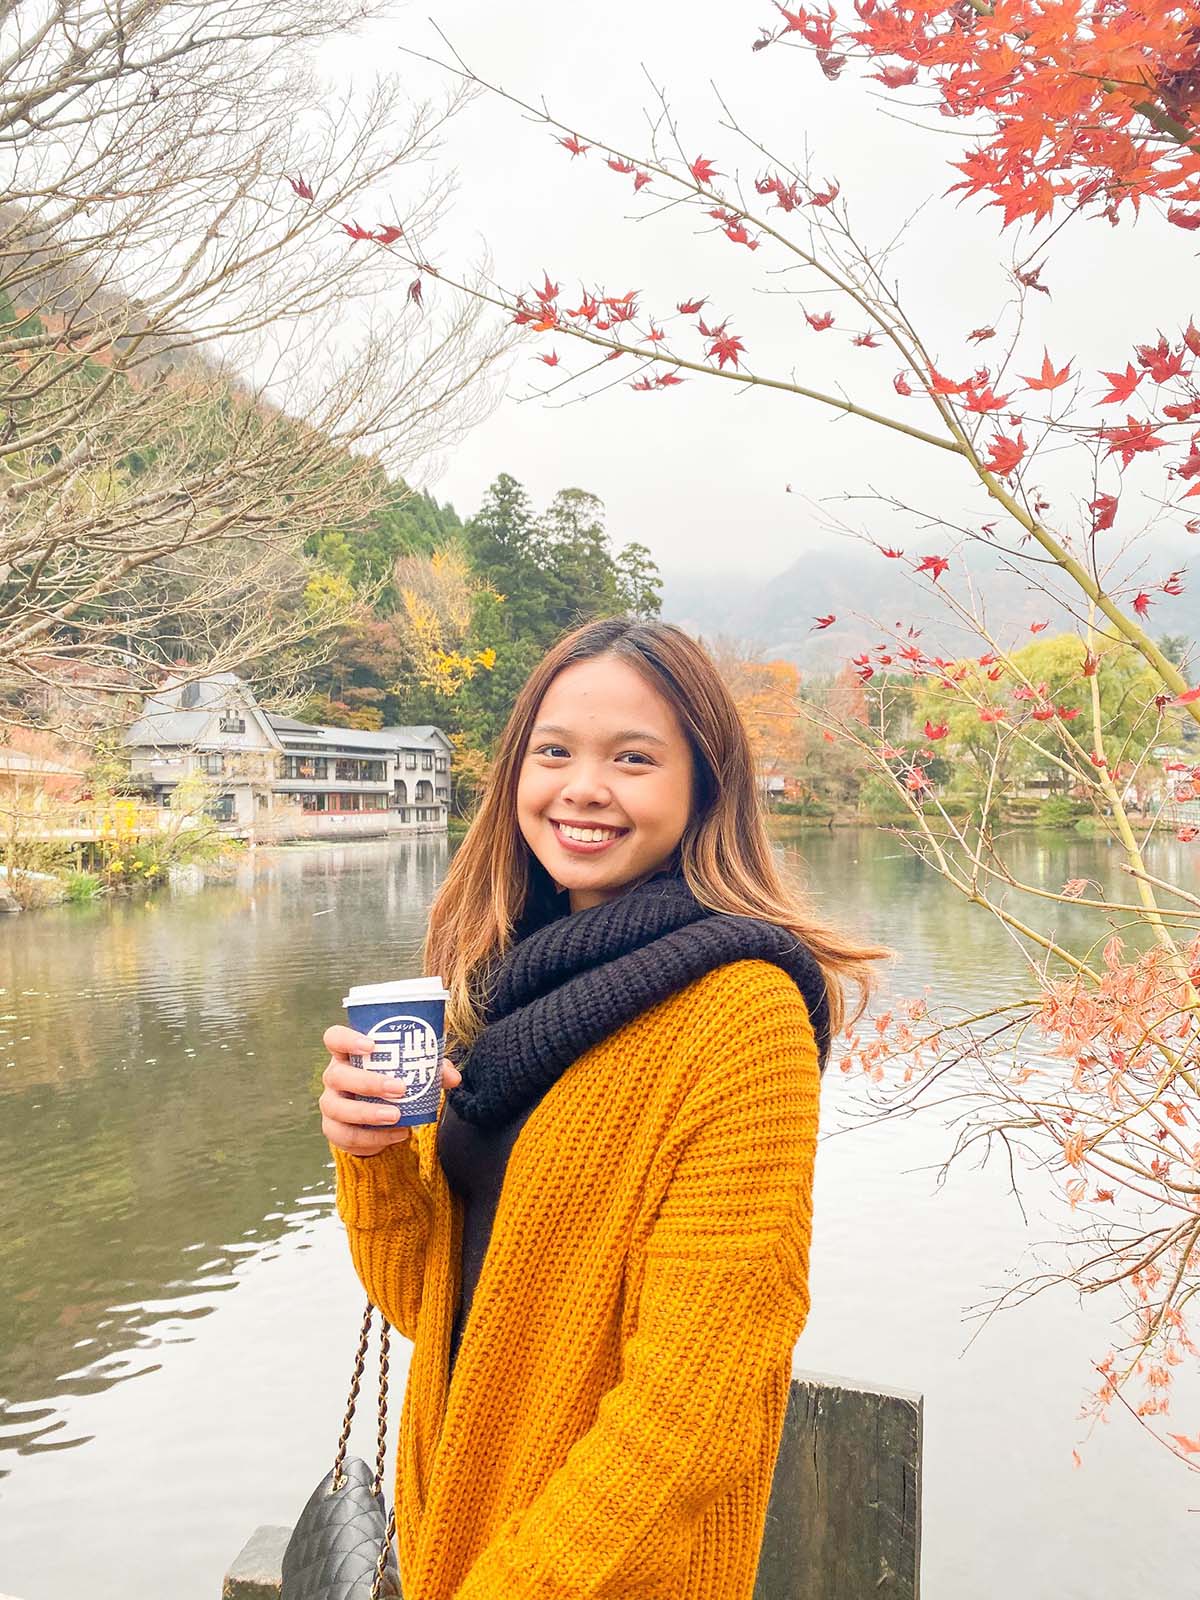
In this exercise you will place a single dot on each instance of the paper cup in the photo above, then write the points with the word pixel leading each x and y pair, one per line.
pixel 406 1022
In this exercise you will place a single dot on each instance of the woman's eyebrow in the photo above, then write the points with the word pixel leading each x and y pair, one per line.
pixel 617 738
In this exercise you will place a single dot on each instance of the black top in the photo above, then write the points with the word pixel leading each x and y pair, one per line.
pixel 474 1161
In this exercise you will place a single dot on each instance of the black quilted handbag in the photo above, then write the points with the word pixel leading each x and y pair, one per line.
pixel 341 1547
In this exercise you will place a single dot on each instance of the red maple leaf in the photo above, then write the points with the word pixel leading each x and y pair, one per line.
pixel 726 348
pixel 389 234
pixel 980 334
pixel 666 379
pixel 1123 385
pixel 572 144
pixel 892 554
pixel 1191 338
pixel 823 622
pixel 867 340
pixel 301 187
pixel 933 565
pixel 901 384
pixel 355 232
pixel 1104 510
pixel 414 291
pixel 826 196
pixel 735 232
pixel 823 320
pixel 983 400
pixel 548 291
pixel 936 732
pixel 689 307
pixel 1142 603
pixel 1184 219
pixel 640 178
pixel 1159 360
pixel 551 360
pixel 703 170
pixel 941 385
pixel 625 167
pixel 1049 378
pixel 895 77
pixel 1133 439
pixel 1005 454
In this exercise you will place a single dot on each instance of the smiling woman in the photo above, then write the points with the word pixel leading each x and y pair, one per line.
pixel 600 1250
pixel 605 789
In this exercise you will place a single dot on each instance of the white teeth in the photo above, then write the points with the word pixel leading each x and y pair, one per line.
pixel 587 835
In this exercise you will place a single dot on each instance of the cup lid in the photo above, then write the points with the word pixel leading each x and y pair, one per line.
pixel 366 994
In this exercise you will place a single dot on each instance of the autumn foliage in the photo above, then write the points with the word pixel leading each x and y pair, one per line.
pixel 1085 111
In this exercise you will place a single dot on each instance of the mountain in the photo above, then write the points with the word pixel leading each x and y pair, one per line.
pixel 863 589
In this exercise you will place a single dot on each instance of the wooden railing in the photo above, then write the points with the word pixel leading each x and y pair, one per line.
pixel 844 1517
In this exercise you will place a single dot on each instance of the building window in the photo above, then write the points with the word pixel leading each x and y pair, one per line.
pixel 410 760
pixel 400 792
pixel 348 769
pixel 345 802
pixel 231 722
pixel 427 762
pixel 313 768
pixel 424 791
pixel 442 764
pixel 220 809
pixel 212 762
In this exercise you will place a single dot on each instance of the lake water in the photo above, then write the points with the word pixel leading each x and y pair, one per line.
pixel 178 1311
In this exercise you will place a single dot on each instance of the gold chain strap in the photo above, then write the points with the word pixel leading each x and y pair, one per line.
pixel 381 1561
pixel 337 1479
pixel 381 1442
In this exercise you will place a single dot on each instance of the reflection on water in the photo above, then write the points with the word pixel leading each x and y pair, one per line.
pixel 157 1067
pixel 176 1301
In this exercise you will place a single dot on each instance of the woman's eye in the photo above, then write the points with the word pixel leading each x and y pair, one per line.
pixel 559 752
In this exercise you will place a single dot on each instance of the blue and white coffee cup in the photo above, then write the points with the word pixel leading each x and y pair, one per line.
pixel 406 1023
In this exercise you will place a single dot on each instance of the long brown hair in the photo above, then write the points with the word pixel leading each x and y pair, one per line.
pixel 724 854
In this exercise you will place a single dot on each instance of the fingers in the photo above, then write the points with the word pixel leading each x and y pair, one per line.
pixel 361 1126
pixel 362 1141
pixel 340 1040
pixel 340 1076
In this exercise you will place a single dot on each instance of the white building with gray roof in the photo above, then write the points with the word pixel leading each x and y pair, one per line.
pixel 276 777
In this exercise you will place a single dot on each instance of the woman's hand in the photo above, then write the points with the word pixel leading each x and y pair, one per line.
pixel 357 1126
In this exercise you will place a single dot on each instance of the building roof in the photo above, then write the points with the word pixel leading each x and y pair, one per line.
pixel 165 721
pixel 425 737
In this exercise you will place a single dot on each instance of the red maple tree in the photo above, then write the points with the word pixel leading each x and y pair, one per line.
pixel 1081 110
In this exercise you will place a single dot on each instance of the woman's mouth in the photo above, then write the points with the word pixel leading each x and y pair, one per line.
pixel 585 840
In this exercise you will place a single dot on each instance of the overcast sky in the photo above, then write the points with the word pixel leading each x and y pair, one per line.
pixel 699 472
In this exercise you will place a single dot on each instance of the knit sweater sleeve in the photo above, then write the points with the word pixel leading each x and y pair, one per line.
pixel 387 1209
pixel 722 1302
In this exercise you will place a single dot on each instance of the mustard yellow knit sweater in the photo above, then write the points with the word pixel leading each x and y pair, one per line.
pixel 616 1408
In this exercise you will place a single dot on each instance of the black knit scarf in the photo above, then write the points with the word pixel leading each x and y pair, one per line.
pixel 566 986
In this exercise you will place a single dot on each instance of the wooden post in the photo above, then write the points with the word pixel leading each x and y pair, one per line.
pixel 844 1518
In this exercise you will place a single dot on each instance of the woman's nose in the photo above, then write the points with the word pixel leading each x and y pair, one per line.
pixel 586 786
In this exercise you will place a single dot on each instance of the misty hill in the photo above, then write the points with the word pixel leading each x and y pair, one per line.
pixel 863 588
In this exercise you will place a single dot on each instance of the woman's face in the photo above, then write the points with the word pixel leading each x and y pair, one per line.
pixel 605 787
